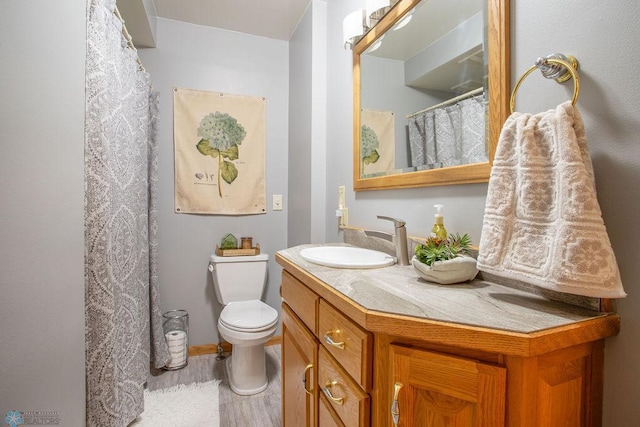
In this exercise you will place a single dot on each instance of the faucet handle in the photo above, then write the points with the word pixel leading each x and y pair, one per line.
pixel 397 223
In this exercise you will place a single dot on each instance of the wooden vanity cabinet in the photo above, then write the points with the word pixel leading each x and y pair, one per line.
pixel 328 349
pixel 445 374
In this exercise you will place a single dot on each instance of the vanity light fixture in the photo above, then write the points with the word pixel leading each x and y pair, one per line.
pixel 353 27
pixel 375 45
pixel 404 21
pixel 376 9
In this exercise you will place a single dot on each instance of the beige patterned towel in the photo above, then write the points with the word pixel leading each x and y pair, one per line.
pixel 542 223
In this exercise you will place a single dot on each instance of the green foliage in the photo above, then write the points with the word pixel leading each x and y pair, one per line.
pixel 228 172
pixel 442 250
pixel 231 153
pixel 372 158
pixel 205 149
pixel 369 143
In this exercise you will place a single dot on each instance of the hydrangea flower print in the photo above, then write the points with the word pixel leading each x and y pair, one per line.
pixel 369 144
pixel 221 134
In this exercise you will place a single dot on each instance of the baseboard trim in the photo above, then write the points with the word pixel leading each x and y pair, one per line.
pixel 199 350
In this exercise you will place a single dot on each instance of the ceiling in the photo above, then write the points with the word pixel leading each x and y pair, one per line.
pixel 276 19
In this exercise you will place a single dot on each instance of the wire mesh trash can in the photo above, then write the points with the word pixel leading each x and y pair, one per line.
pixel 175 324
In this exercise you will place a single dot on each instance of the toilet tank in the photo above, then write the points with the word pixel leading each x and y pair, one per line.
pixel 239 278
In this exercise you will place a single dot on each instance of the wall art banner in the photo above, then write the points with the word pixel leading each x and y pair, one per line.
pixel 219 146
pixel 377 142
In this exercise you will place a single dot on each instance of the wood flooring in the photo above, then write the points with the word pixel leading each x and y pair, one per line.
pixel 260 410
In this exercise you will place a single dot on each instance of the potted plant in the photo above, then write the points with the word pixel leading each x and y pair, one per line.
pixel 445 261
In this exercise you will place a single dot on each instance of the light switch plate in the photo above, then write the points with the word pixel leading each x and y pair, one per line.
pixel 277 202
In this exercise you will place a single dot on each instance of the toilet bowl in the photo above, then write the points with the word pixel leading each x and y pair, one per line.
pixel 245 321
pixel 247 366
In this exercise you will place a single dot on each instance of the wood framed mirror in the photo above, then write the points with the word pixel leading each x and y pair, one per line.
pixel 379 119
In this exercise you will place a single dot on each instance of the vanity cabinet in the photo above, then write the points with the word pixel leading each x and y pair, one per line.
pixel 383 368
pixel 326 358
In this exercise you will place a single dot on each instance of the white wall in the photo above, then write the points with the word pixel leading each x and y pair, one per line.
pixel 307 128
pixel 300 122
pixel 204 58
pixel 604 37
pixel 42 219
pixel 319 167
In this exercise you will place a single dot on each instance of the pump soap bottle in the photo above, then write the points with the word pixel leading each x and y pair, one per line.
pixel 438 231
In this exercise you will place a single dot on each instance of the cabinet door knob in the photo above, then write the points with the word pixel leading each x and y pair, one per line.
pixel 327 392
pixel 304 378
pixel 395 410
pixel 330 341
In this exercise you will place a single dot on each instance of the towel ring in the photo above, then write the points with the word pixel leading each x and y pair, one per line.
pixel 570 68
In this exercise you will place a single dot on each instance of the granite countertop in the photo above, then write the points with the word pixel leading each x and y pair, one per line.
pixel 399 290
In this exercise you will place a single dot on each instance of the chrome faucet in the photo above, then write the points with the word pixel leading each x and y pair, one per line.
pixel 400 239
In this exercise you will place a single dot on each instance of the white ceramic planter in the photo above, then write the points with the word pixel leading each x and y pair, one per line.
pixel 457 270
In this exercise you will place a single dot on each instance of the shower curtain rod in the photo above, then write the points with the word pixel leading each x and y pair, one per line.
pixel 449 102
pixel 128 37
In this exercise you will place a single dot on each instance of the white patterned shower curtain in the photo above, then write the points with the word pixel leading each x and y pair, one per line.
pixel 122 308
pixel 450 135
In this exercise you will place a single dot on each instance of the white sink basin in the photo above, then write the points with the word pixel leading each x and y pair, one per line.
pixel 346 257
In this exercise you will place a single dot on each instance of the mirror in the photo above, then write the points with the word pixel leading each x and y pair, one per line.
pixel 431 88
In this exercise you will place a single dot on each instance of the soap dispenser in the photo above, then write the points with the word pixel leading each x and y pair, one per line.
pixel 438 231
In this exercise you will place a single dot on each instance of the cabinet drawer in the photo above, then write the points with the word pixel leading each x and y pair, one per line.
pixel 347 342
pixel 327 416
pixel 343 395
pixel 301 299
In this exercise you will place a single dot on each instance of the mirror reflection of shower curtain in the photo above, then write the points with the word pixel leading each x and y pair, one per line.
pixel 449 136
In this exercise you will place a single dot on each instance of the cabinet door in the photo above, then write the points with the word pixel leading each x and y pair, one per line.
pixel 438 390
pixel 299 373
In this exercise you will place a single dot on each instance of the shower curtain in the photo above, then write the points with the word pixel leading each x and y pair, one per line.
pixel 122 309
pixel 450 135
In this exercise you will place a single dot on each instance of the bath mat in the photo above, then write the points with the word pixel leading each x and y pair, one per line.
pixel 542 223
pixel 193 405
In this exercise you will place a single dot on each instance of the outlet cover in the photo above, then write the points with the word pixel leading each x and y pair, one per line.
pixel 342 201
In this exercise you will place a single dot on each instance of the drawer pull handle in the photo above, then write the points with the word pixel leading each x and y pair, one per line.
pixel 327 391
pixel 330 341
pixel 304 378
pixel 395 411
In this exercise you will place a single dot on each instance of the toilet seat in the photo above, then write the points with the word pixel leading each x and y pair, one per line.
pixel 248 316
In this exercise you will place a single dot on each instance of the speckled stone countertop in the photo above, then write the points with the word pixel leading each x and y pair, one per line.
pixel 399 290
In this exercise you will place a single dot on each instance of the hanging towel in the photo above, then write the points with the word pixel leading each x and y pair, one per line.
pixel 542 223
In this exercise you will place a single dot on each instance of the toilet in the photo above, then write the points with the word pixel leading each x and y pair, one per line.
pixel 246 322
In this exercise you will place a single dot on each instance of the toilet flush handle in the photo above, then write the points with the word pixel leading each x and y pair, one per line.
pixel 211 267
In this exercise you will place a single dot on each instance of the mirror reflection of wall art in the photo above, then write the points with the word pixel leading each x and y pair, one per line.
pixel 377 145
pixel 219 145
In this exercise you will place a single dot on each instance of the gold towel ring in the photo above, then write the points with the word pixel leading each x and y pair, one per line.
pixel 567 65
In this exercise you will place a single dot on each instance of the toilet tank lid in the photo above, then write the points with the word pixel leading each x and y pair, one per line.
pixel 246 258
